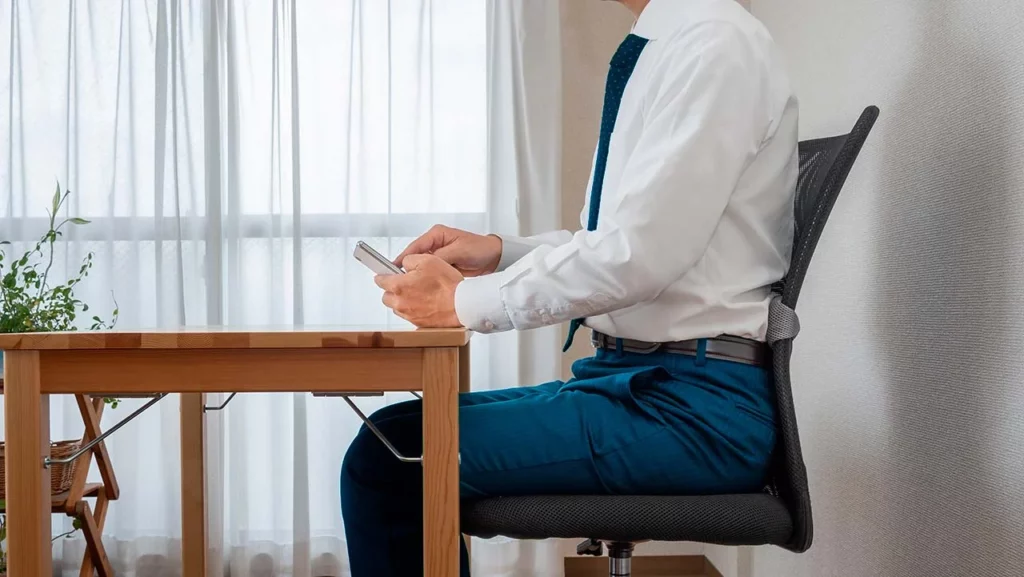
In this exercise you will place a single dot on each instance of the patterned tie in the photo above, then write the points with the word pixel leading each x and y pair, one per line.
pixel 621 69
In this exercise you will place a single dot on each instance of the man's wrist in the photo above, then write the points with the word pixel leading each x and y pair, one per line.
pixel 495 265
pixel 513 248
pixel 479 307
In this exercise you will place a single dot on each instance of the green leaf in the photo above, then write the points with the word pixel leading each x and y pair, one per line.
pixel 79 221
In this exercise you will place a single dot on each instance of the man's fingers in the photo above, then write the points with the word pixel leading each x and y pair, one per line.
pixel 418 246
pixel 427 243
pixel 414 261
pixel 451 254
pixel 388 282
pixel 393 302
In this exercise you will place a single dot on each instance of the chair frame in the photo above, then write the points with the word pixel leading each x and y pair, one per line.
pixel 789 471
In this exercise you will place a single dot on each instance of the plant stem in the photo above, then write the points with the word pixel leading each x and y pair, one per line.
pixel 62 535
pixel 51 236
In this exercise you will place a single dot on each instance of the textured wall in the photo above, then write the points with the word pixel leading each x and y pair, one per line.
pixel 908 376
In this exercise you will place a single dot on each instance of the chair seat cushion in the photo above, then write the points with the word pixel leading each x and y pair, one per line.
pixel 754 519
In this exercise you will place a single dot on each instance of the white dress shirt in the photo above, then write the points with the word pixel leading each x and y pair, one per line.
pixel 696 214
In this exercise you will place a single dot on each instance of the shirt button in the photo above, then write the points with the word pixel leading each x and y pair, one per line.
pixel 489 325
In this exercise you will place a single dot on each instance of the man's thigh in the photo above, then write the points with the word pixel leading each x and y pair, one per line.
pixel 528 440
pixel 543 443
pixel 415 407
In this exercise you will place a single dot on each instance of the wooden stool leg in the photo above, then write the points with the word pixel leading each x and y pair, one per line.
pixel 91 410
pixel 96 554
pixel 101 518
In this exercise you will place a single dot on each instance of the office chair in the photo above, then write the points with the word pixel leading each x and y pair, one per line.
pixel 779 515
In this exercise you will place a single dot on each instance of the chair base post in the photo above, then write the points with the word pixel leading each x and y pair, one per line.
pixel 620 559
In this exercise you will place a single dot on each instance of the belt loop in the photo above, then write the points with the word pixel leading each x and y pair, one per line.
pixel 702 352
pixel 618 346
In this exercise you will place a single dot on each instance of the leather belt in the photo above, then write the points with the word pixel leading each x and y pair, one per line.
pixel 725 348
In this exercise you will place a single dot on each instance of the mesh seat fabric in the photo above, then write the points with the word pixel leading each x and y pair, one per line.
pixel 722 519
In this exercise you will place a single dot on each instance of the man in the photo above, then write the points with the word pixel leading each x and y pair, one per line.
pixel 689 221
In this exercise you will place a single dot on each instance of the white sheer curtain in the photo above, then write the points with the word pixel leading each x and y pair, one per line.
pixel 229 154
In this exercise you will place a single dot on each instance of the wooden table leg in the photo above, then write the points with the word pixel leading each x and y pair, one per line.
pixel 27 419
pixel 193 485
pixel 441 462
pixel 464 387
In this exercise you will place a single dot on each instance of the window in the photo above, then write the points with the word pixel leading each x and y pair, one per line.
pixel 229 154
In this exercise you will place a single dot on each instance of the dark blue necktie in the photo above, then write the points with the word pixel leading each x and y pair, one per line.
pixel 622 65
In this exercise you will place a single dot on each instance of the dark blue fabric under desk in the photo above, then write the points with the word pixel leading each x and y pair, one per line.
pixel 625 424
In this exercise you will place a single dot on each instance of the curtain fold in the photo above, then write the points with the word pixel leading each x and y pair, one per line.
pixel 229 155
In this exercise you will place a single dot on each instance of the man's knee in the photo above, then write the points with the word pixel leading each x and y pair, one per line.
pixel 404 409
pixel 368 455
pixel 363 454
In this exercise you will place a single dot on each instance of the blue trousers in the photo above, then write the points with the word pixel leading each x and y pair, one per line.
pixel 624 424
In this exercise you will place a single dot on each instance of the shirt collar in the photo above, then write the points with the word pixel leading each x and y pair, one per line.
pixel 660 18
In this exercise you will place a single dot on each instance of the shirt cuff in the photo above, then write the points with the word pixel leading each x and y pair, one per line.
pixel 479 306
pixel 514 248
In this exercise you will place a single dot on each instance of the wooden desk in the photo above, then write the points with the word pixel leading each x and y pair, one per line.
pixel 209 360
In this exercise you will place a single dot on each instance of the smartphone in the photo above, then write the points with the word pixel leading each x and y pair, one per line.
pixel 374 261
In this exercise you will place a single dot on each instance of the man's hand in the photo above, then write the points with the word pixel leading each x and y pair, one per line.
pixel 470 254
pixel 425 294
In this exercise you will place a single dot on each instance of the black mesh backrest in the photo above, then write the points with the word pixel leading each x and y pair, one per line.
pixel 824 165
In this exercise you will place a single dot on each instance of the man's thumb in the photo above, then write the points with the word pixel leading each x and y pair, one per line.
pixel 414 261
pixel 451 254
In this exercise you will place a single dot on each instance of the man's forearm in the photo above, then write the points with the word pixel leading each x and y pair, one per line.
pixel 514 248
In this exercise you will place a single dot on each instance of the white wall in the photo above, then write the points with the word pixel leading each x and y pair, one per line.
pixel 909 375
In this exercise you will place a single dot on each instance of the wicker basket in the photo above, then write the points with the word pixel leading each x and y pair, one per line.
pixel 61 475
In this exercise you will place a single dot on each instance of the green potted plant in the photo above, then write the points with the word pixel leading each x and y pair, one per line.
pixel 30 302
